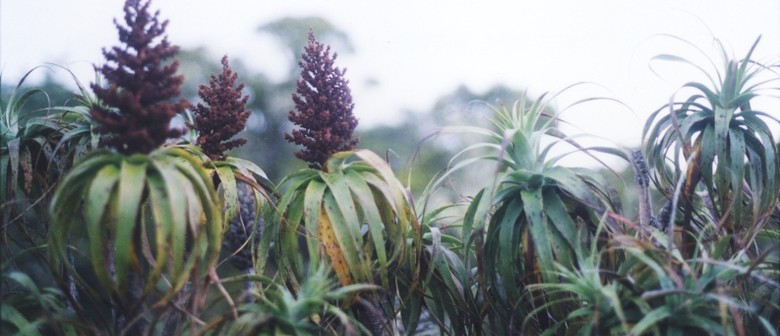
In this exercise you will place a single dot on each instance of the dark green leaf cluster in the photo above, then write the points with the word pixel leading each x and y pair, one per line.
pixel 324 107
pixel 136 110
pixel 224 115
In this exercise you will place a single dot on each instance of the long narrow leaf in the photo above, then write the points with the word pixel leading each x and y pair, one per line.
pixel 131 187
pixel 97 213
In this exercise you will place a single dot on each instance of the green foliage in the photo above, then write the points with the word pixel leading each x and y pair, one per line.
pixel 654 291
pixel 354 215
pixel 720 150
pixel 31 310
pixel 146 219
pixel 505 240
pixel 311 310
pixel 241 233
pixel 38 143
pixel 25 152
pixel 43 135
pixel 540 211
pixel 445 295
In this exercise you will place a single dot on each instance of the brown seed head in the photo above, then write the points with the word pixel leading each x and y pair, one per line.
pixel 323 106
pixel 224 114
pixel 136 110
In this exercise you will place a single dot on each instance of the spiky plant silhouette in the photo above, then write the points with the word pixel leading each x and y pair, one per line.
pixel 323 104
pixel 145 214
pixel 223 115
pixel 136 110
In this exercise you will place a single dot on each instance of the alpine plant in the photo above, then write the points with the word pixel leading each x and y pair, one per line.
pixel 323 104
pixel 136 110
pixel 224 114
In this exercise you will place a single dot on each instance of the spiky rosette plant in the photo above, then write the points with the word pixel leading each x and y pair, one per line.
pixel 242 185
pixel 354 215
pixel 530 217
pixel 350 208
pixel 144 215
pixel 29 164
pixel 324 107
pixel 314 309
pixel 713 153
pixel 37 145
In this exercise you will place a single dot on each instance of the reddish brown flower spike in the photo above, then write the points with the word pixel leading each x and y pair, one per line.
pixel 224 116
pixel 324 107
pixel 135 111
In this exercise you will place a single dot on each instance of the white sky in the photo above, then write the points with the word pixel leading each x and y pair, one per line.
pixel 420 50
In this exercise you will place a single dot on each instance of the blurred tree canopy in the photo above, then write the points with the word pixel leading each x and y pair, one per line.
pixel 292 33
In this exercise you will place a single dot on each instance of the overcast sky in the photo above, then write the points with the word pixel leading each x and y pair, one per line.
pixel 420 50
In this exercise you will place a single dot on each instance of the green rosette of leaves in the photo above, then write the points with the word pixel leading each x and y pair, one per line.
pixel 353 215
pixel 38 142
pixel 532 216
pixel 20 140
pixel 152 215
pixel 142 215
pixel 713 153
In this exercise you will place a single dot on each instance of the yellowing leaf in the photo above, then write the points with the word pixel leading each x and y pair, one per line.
pixel 332 249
